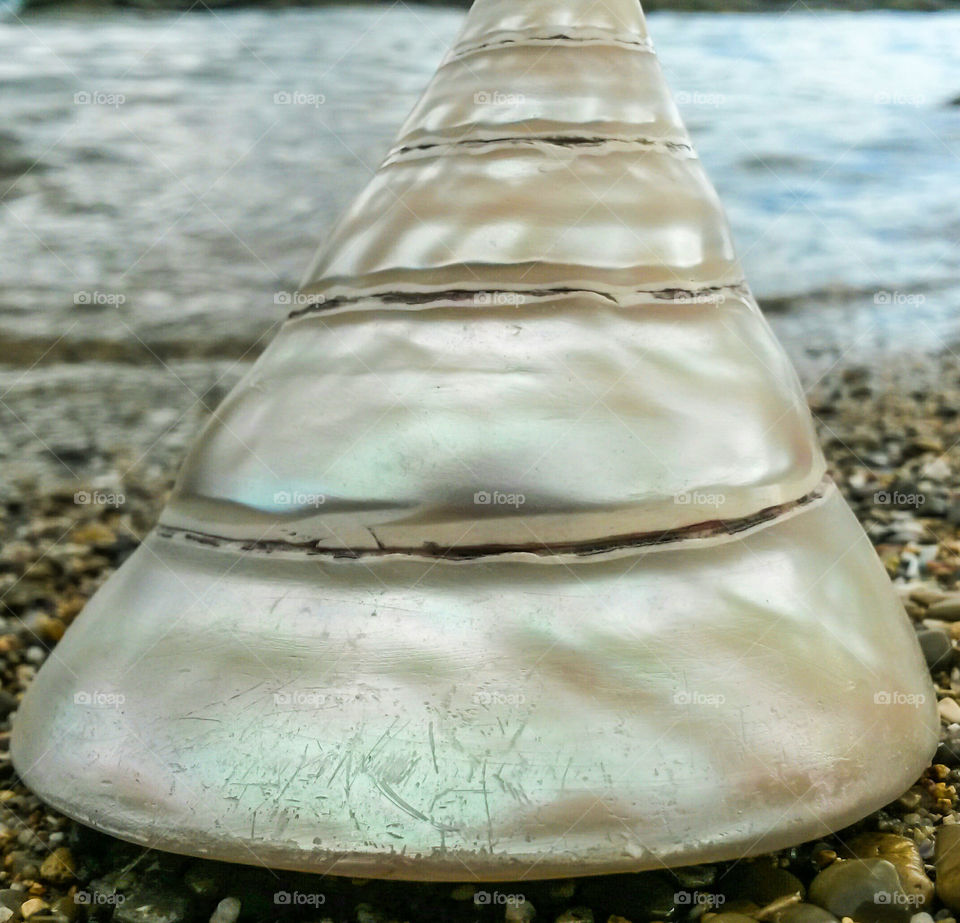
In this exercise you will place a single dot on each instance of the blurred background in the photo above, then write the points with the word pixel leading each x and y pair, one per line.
pixel 166 175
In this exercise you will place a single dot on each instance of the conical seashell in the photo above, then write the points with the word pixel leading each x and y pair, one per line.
pixel 514 555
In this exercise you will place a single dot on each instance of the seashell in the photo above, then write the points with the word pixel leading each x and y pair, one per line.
pixel 514 555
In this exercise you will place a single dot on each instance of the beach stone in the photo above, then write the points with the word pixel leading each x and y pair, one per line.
pixel 696 876
pixel 563 890
pixel 936 647
pixel 66 907
pixel 576 915
pixel 23 864
pixel 759 882
pixel 866 890
pixel 949 710
pixel 227 911
pixel 205 879
pixel 12 899
pixel 947 610
pixel 59 867
pixel 804 913
pixel 8 703
pixel 947 862
pixel 921 918
pixel 154 903
pixel 651 893
pixel 727 917
pixel 905 857
pixel 32 907
pixel 519 912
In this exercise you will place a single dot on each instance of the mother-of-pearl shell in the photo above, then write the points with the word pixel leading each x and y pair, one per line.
pixel 514 555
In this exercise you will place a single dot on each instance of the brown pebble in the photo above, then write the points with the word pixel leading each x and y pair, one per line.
pixel 946 609
pixel 68 608
pixel 66 907
pixel 947 861
pixel 927 596
pixel 59 867
pixel 50 629
pixel 32 906
pixel 949 710
pixel 905 857
pixel 94 533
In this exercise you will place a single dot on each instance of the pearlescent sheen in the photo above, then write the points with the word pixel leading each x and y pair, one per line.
pixel 514 555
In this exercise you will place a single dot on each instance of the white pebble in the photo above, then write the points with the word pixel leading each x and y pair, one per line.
pixel 228 910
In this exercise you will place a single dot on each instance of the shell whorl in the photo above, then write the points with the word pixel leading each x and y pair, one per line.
pixel 535 297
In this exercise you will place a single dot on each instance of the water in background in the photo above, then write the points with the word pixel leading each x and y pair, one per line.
pixel 165 176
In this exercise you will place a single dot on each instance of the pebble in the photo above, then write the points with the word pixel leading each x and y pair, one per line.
pixel 154 903
pixel 693 877
pixel 921 918
pixel 12 899
pixel 949 710
pixel 66 907
pixel 848 888
pixel 576 915
pixel 947 610
pixel 947 863
pixel 905 857
pixel 759 881
pixel 204 879
pixel 936 647
pixel 33 906
pixel 8 703
pixel 563 890
pixel 519 912
pixel 805 913
pixel 227 911
pixel 59 867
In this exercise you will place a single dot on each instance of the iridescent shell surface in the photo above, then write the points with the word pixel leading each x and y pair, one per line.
pixel 514 555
